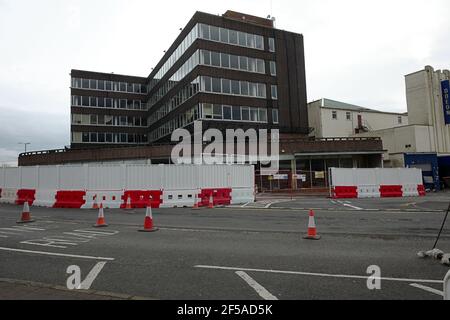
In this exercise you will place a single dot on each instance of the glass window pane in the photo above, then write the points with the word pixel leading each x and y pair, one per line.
pixel 254 114
pixel 206 57
pixel 250 40
pixel 204 31
pixel 108 85
pixel 262 115
pixel 234 62
pixel 101 85
pixel 271 44
pixel 93 102
pixel 123 87
pixel 244 88
pixel 260 66
pixel 93 119
pixel 123 137
pixel 275 115
pixel 273 68
pixel 108 120
pixel 233 37
pixel 101 102
pixel 85 101
pixel 252 64
pixel 243 63
pixel 225 58
pixel 108 103
pixel 217 111
pixel 85 137
pixel 216 85
pixel 245 114
pixel 101 137
pixel 215 59
pixel 274 90
pixel 215 34
pixel 207 83
pixel 207 111
pixel 93 136
pixel 227 112
pixel 108 137
pixel 260 42
pixel 236 113
pixel 93 84
pixel 123 104
pixel 242 39
pixel 261 90
pixel 226 86
pixel 224 35
pixel 235 87
pixel 85 84
pixel 252 89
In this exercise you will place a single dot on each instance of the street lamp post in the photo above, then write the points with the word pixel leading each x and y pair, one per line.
pixel 25 144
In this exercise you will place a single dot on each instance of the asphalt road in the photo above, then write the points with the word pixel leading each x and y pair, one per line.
pixel 226 253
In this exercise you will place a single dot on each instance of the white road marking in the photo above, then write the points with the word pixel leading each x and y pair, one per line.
pixel 263 293
pixel 56 254
pixel 15 229
pixel 86 284
pixel 349 205
pixel 318 274
pixel 432 290
pixel 3 236
pixel 244 205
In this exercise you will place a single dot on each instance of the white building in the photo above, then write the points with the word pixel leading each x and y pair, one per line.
pixel 427 131
pixel 331 118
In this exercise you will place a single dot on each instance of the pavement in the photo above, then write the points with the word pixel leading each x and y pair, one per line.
pixel 239 253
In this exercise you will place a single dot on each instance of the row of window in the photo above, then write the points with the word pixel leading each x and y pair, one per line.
pixel 179 121
pixel 96 102
pixel 182 95
pixel 234 87
pixel 103 85
pixel 233 113
pixel 229 61
pixel 229 36
pixel 348 116
pixel 107 137
pixel 107 120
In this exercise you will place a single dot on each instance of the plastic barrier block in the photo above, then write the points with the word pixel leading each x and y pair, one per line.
pixel 393 191
pixel 345 192
pixel 0 193
pixel 221 196
pixel 25 195
pixel 421 190
pixel 142 198
pixel 69 199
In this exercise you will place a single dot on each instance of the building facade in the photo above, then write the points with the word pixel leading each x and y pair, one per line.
pixel 330 118
pixel 229 71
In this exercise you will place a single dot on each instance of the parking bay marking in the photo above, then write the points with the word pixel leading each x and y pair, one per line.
pixel 56 254
pixel 318 274
pixel 432 290
pixel 263 293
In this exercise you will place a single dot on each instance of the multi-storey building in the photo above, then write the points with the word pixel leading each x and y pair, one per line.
pixel 230 71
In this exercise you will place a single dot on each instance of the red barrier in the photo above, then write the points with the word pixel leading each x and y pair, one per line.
pixel 391 191
pixel 221 197
pixel 421 190
pixel 25 195
pixel 142 198
pixel 0 192
pixel 69 199
pixel 345 192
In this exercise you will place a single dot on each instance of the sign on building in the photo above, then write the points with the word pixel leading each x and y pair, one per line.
pixel 446 100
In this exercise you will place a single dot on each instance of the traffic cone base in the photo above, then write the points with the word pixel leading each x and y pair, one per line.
pixel 316 237
pixel 26 215
pixel 148 222
pixel 149 230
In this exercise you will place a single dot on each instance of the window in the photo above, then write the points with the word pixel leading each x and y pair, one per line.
pixel 348 115
pixel 101 85
pixel 206 84
pixel 399 120
pixel 233 37
pixel 93 101
pixel 206 57
pixel 214 33
pixel 226 86
pixel 207 111
pixel 108 85
pixel 215 59
pixel 253 89
pixel 108 120
pixel 275 116
pixel 273 68
pixel 85 101
pixel 263 115
pixel 334 115
pixel 101 137
pixel 216 87
pixel 85 84
pixel 242 37
pixel 251 64
pixel 85 119
pixel 224 35
pixel 101 102
pixel 123 121
pixel 93 136
pixel 234 62
pixel 236 113
pixel 261 90
pixel 245 113
pixel 76 101
pixel 93 84
pixel 250 40
pixel 260 66
pixel 76 118
pixel 217 111
pixel 123 87
pixel 108 137
pixel 76 137
pixel 274 90
pixel 243 62
pixel 77 82
pixel 235 87
pixel 93 119
pixel 271 44
pixel 254 114
pixel 225 60
pixel 108 103
pixel 123 104
pixel 227 112
pixel 204 31
pixel 259 42
pixel 244 88
pixel 123 138
pixel 130 104
pixel 85 137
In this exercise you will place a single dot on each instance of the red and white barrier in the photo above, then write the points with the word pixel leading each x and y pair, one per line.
pixel 86 187
pixel 376 183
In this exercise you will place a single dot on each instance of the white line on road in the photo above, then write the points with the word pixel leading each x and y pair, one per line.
pixel 86 284
pixel 56 254
pixel 318 274
pixel 349 205
pixel 266 295
pixel 432 290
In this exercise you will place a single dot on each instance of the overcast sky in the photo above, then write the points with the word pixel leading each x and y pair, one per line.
pixel 357 51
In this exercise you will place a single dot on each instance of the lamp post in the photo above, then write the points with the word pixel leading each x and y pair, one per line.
pixel 25 144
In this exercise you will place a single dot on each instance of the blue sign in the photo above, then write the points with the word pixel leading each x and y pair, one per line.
pixel 446 100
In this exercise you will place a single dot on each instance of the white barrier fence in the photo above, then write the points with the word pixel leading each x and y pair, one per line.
pixel 376 182
pixel 107 183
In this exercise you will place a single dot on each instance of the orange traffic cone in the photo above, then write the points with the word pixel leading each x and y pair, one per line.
pixel 312 232
pixel 101 218
pixel 211 202
pixel 95 205
pixel 26 214
pixel 128 204
pixel 196 207
pixel 148 222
